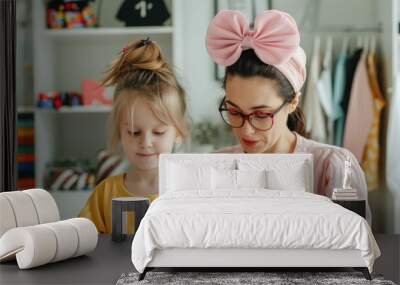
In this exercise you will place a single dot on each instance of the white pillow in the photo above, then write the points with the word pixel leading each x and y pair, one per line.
pixel 181 177
pixel 228 179
pixel 251 178
pixel 223 179
pixel 293 178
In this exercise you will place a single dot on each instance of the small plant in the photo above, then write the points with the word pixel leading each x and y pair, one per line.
pixel 211 133
pixel 204 133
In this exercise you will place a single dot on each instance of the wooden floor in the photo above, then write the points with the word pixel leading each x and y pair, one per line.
pixel 105 264
pixel 389 262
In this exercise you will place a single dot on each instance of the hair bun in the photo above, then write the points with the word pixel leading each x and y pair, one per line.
pixel 138 56
pixel 143 54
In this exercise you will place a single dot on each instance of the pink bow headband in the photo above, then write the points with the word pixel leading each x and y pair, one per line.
pixel 275 39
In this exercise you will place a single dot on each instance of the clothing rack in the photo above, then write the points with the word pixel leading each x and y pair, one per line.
pixel 310 22
pixel 373 29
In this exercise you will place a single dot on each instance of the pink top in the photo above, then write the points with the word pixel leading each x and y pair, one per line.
pixel 361 111
pixel 328 167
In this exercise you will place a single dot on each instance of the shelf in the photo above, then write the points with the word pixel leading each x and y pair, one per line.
pixel 78 109
pixel 108 31
pixel 87 191
pixel 25 109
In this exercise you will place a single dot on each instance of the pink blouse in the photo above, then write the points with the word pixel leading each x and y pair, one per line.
pixel 328 167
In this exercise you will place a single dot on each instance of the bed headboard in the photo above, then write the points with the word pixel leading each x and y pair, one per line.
pixel 279 162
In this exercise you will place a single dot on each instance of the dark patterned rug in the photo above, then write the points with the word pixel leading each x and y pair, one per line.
pixel 229 278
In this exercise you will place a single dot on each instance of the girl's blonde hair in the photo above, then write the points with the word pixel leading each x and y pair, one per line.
pixel 142 70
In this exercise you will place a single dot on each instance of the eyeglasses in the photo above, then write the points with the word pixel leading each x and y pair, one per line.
pixel 259 120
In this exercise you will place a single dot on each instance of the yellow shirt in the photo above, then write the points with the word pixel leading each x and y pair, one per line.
pixel 99 205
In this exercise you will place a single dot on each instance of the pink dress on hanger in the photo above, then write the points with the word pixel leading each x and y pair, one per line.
pixel 328 167
pixel 361 111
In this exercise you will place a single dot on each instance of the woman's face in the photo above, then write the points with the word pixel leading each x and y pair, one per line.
pixel 256 94
pixel 144 136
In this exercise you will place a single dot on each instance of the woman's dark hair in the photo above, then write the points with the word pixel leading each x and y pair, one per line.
pixel 249 65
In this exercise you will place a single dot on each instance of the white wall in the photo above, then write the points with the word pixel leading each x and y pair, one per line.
pixel 24 59
pixel 204 91
pixel 198 69
pixel 396 4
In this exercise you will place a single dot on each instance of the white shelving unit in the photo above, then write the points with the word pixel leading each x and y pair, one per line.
pixel 128 31
pixel 77 109
pixel 62 60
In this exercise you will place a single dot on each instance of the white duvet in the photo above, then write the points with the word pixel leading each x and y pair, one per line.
pixel 252 218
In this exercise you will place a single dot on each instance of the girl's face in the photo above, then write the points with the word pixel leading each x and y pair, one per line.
pixel 256 94
pixel 144 136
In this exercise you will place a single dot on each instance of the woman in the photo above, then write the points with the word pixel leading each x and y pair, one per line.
pixel 265 70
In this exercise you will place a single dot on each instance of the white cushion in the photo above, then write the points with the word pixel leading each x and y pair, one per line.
pixel 237 179
pixel 181 177
pixel 281 174
pixel 66 237
pixel 223 179
pixel 26 208
pixel 23 208
pixel 292 179
pixel 45 205
pixel 251 178
pixel 87 235
pixel 7 218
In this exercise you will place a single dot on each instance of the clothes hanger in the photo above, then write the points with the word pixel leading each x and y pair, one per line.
pixel 328 52
pixel 359 41
pixel 366 44
pixel 373 44
pixel 317 43
pixel 345 45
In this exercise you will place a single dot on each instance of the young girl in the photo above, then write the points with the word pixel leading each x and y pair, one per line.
pixel 265 71
pixel 148 118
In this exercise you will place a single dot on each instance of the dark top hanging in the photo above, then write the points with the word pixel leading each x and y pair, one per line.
pixel 351 66
pixel 143 13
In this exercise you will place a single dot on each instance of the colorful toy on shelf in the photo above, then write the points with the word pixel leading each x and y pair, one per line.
pixel 71 99
pixel 74 20
pixel 89 17
pixel 70 14
pixel 75 99
pixel 96 94
pixel 56 100
pixel 45 99
pixel 55 18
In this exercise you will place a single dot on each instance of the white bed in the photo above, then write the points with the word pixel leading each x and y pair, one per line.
pixel 202 219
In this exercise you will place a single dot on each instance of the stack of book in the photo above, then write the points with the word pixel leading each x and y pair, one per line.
pixel 25 151
pixel 344 194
